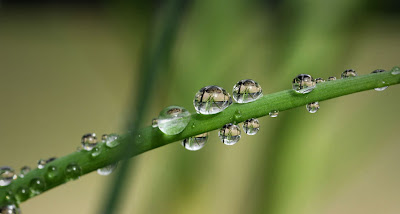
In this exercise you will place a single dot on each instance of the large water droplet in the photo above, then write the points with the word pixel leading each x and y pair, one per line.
pixel 211 100
pixel 173 120
pixel 251 126
pixel 229 134
pixel 195 143
pixel 331 78
pixel 154 123
pixel 379 71
pixel 274 113
pixel 22 193
pixel 348 73
pixel 246 91
pixel 107 170
pixel 303 84
pixel 42 163
pixel 24 171
pixel 312 107
pixel 37 186
pixel 7 175
pixel 73 171
pixel 319 80
pixel 112 141
pixel 10 209
pixel 89 141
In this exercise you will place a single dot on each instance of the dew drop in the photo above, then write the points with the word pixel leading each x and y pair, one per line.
pixel 154 123
pixel 107 170
pixel 395 70
pixel 312 107
pixel 104 138
pixel 195 143
pixel 22 193
pixel 331 78
pixel 319 80
pixel 111 140
pixel 348 73
pixel 246 91
pixel 211 100
pixel 7 175
pixel 89 141
pixel 237 116
pixel 274 113
pixel 173 120
pixel 73 171
pixel 229 134
pixel 380 71
pixel 42 163
pixel 9 197
pixel 24 171
pixel 96 151
pixel 303 84
pixel 37 186
pixel 10 209
pixel 251 126
pixel 52 173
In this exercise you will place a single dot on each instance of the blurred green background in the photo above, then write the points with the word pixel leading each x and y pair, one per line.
pixel 66 69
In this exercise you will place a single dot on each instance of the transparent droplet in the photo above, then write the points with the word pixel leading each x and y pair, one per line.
pixel 173 120
pixel 22 194
pixel 73 171
pixel 195 143
pixel 312 107
pixel 7 175
pixel 104 138
pixel 52 173
pixel 37 186
pixel 89 141
pixel 10 209
pixel 331 78
pixel 395 70
pixel 42 163
pixel 154 123
pixel 24 171
pixel 348 73
pixel 229 134
pixel 274 113
pixel 251 126
pixel 303 84
pixel 111 140
pixel 246 91
pixel 96 151
pixel 211 100
pixel 319 80
pixel 379 71
pixel 107 170
pixel 237 116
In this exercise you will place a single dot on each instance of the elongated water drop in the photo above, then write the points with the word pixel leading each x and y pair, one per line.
pixel 195 143
pixel 319 80
pixel 331 78
pixel 237 116
pixel 73 171
pixel 251 126
pixel 24 171
pixel 246 91
pixel 379 71
pixel 7 175
pixel 37 186
pixel 211 100
pixel 348 73
pixel 107 170
pixel 303 84
pixel 89 141
pixel 10 209
pixel 229 134
pixel 111 140
pixel 312 107
pixel 274 113
pixel 173 120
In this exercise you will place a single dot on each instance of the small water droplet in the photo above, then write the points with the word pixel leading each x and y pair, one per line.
pixel 193 125
pixel 107 170
pixel 9 197
pixel 10 209
pixel 211 100
pixel 319 80
pixel 195 143
pixel 73 171
pixel 173 120
pixel 154 123
pixel 104 138
pixel 22 194
pixel 331 78
pixel 395 70
pixel 112 141
pixel 89 141
pixel 312 107
pixel 237 116
pixel 24 171
pixel 303 84
pixel 52 173
pixel 96 151
pixel 348 73
pixel 251 126
pixel 42 163
pixel 37 186
pixel 274 113
pixel 229 134
pixel 7 175
pixel 380 71
pixel 246 91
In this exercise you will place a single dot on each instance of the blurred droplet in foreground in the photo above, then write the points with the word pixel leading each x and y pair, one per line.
pixel 312 107
pixel 10 209
pixel 246 91
pixel 154 123
pixel 303 84
pixel 173 120
pixel 89 141
pixel 211 100
pixel 348 73
pixel 229 134
pixel 7 175
pixel 379 71
pixel 251 126
pixel 195 143
pixel 107 169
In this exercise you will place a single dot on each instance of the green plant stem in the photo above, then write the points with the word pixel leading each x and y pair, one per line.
pixel 150 138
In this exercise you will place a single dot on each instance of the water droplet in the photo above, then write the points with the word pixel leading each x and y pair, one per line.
pixel 107 170
pixel 312 107
pixel 237 116
pixel 193 125
pixel 348 73
pixel 319 80
pixel 89 141
pixel 303 84
pixel 211 100
pixel 52 173
pixel 111 140
pixel 154 123
pixel 73 171
pixel 395 70
pixel 37 186
pixel 379 71
pixel 9 197
pixel 274 113
pixel 251 126
pixel 173 120
pixel 7 175
pixel 229 134
pixel 246 91
pixel 104 138
pixel 24 171
pixel 42 163
pixel 96 151
pixel 22 193
pixel 331 78
pixel 195 143
pixel 10 209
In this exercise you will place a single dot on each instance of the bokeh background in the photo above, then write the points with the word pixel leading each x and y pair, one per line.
pixel 69 67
